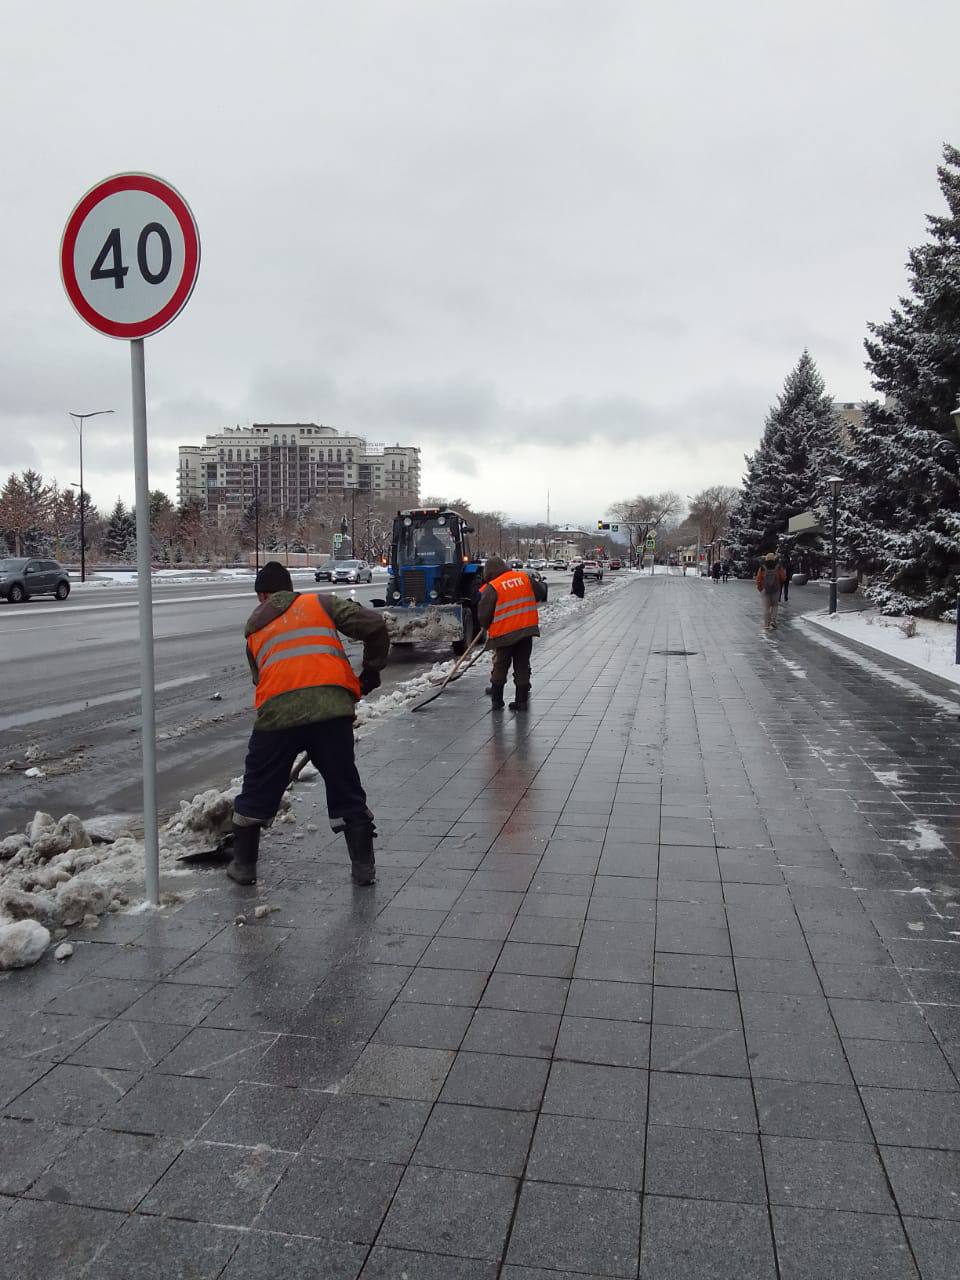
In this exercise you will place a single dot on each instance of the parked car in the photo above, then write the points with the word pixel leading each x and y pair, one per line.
pixel 614 565
pixel 351 571
pixel 21 578
pixel 593 569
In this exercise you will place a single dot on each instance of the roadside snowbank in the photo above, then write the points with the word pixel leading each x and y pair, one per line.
pixel 929 646
pixel 60 874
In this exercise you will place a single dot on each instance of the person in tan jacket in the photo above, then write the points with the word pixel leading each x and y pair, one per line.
pixel 770 579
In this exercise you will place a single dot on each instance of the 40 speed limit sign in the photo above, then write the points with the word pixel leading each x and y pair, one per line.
pixel 130 255
pixel 129 258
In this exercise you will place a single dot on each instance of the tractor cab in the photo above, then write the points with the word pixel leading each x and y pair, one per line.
pixel 434 581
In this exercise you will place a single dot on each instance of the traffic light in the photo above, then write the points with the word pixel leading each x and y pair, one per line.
pixel 603 524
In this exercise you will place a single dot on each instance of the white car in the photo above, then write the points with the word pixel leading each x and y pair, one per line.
pixel 538 565
pixel 350 571
pixel 593 569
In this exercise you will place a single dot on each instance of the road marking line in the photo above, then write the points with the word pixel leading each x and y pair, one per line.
pixel 68 708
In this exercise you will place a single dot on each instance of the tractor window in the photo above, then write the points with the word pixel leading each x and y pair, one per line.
pixel 427 542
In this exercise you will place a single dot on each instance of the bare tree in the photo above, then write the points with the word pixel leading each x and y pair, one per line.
pixel 648 513
pixel 711 509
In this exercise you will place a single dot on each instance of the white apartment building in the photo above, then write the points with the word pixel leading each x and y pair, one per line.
pixel 291 464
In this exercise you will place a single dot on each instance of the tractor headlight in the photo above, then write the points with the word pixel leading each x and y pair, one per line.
pixel 433 595
pixel 396 595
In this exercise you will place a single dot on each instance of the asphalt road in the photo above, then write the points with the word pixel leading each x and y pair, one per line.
pixel 70 693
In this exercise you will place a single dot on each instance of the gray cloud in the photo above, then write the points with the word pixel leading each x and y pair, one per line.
pixel 590 238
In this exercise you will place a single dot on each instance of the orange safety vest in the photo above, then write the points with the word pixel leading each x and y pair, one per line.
pixel 516 605
pixel 300 650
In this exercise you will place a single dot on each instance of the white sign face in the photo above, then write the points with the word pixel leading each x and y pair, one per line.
pixel 130 255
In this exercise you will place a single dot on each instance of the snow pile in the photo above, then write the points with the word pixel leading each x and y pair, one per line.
pixel 436 624
pixel 22 944
pixel 208 814
pixel 928 645
pixel 54 876
pixel 403 694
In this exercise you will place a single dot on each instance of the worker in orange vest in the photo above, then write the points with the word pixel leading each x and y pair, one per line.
pixel 507 611
pixel 306 692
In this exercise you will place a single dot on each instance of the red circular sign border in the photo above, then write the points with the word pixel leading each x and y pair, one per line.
pixel 191 266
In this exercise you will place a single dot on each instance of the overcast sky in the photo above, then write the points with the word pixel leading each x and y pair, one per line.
pixel 572 245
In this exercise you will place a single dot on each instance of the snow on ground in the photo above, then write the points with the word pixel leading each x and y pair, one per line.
pixel 818 633
pixel 128 577
pixel 927 839
pixel 931 647
pixel 889 777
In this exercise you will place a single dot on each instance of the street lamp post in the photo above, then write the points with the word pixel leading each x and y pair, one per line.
pixel 256 517
pixel 79 419
pixel 956 422
pixel 833 484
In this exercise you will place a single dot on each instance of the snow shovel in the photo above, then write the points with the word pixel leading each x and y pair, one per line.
pixel 222 851
pixel 455 673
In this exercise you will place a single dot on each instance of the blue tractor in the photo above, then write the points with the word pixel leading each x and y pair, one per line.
pixel 434 580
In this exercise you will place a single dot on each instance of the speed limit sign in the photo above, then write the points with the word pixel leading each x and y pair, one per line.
pixel 130 255
pixel 129 258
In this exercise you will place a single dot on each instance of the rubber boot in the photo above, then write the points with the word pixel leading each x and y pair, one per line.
pixel 521 699
pixel 496 697
pixel 246 845
pixel 359 838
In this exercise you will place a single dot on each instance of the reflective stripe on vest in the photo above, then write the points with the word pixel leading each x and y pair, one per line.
pixel 516 605
pixel 300 650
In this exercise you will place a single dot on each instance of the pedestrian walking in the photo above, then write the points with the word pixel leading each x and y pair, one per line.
pixel 577 586
pixel 306 692
pixel 787 565
pixel 770 578
pixel 725 570
pixel 715 571
pixel 508 613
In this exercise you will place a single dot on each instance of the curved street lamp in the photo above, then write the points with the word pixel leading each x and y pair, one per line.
pixel 79 419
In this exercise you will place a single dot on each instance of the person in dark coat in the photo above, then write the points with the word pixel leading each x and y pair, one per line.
pixel 577 587
pixel 787 565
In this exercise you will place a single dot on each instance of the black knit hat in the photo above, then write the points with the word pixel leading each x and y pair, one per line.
pixel 273 577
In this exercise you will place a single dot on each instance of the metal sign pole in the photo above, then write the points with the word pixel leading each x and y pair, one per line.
pixel 148 729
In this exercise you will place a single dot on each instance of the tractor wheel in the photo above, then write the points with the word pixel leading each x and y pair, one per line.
pixel 460 647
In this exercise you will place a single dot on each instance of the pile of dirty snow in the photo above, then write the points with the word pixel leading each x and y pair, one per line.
pixel 58 874
pixel 435 625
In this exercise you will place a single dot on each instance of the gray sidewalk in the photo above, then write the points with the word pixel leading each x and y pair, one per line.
pixel 662 979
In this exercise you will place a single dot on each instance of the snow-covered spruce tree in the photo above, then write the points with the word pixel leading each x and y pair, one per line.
pixel 799 449
pixel 120 540
pixel 906 459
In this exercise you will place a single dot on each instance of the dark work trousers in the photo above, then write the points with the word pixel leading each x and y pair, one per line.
pixel 786 591
pixel 270 757
pixel 519 655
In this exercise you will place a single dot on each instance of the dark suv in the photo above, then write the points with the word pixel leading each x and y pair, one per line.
pixel 22 578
